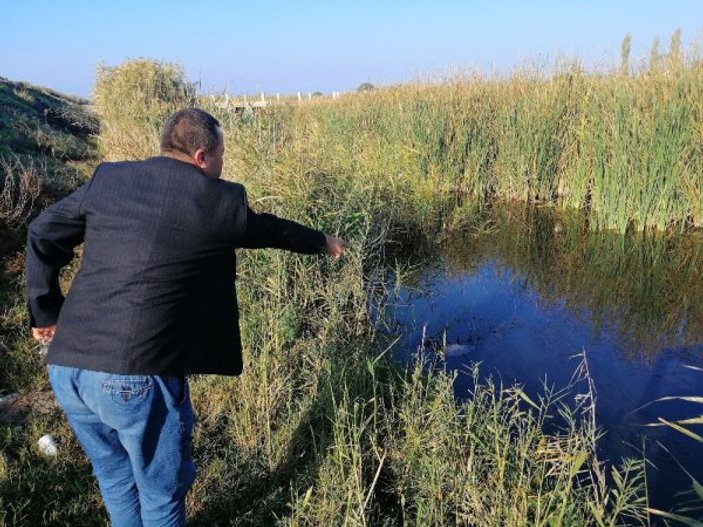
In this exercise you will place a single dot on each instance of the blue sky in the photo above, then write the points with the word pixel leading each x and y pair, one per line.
pixel 285 47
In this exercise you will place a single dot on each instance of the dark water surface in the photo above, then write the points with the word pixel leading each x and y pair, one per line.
pixel 534 290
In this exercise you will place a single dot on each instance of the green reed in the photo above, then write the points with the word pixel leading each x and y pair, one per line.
pixel 322 429
pixel 625 148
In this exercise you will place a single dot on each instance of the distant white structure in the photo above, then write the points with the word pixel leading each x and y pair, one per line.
pixel 239 103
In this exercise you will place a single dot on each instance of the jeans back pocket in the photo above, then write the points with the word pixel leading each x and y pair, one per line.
pixel 128 389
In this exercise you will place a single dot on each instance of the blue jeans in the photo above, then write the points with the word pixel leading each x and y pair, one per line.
pixel 137 433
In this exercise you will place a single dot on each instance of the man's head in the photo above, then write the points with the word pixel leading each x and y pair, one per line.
pixel 194 136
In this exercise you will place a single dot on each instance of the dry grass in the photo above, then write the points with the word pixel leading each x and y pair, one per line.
pixel 321 429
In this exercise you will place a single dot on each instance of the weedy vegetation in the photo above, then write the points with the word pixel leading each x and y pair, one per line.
pixel 322 429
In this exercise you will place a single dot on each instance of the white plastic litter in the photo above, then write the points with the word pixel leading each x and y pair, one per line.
pixel 48 446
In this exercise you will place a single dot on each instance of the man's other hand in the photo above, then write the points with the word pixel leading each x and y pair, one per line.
pixel 335 246
pixel 44 335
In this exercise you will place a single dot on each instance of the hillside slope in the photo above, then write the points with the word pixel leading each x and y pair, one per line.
pixel 47 146
pixel 36 120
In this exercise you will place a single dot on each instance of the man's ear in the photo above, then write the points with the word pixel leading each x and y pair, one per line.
pixel 199 157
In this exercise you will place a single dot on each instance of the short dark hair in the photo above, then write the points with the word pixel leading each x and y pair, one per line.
pixel 189 130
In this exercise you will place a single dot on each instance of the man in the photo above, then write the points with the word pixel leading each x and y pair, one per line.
pixel 154 300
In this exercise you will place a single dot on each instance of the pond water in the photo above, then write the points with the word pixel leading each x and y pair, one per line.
pixel 533 290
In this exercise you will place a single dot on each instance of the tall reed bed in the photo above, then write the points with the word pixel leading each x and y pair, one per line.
pixel 321 429
pixel 624 146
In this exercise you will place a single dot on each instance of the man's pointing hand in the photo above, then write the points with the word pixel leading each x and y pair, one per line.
pixel 335 246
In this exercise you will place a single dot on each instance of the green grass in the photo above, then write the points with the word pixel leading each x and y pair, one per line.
pixel 37 121
pixel 626 149
pixel 322 429
pixel 47 147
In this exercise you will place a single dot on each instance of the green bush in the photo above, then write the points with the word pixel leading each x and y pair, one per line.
pixel 133 99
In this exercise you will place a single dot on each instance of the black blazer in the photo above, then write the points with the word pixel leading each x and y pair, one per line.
pixel 155 293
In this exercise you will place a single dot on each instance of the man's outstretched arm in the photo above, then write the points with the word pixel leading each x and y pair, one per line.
pixel 269 231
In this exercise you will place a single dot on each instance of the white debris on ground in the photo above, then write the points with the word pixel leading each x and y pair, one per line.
pixel 48 445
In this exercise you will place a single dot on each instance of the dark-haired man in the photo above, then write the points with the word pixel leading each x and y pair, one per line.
pixel 153 301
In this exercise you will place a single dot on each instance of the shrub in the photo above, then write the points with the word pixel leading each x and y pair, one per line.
pixel 366 86
pixel 133 100
pixel 21 185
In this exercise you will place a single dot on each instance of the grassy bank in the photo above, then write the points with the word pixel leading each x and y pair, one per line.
pixel 321 429
pixel 47 147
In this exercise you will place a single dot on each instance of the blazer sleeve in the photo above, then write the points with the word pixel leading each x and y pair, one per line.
pixel 51 238
pixel 270 231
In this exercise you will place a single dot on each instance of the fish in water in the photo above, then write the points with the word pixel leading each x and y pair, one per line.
pixel 454 350
pixel 448 350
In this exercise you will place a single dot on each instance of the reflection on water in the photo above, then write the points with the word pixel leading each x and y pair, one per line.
pixel 534 290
